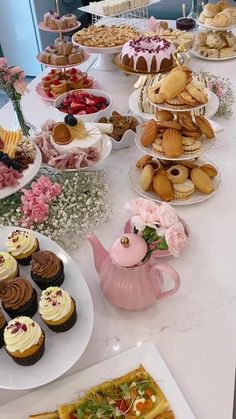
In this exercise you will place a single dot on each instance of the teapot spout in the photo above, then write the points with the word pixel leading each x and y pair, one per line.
pixel 99 253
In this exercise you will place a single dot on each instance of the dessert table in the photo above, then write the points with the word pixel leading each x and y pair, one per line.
pixel 195 329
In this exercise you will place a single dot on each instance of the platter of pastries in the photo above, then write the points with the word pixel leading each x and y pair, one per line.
pixel 20 161
pixel 54 22
pixel 178 91
pixel 46 305
pixel 178 182
pixel 176 138
pixel 212 45
pixel 107 38
pixel 175 36
pixel 62 54
pixel 218 16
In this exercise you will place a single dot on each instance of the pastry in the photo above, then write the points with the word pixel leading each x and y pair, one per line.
pixel 146 177
pixel 174 83
pixel 222 20
pixel 3 324
pixel 22 245
pixel 57 309
pixel 196 92
pixel 192 148
pixel 157 146
pixel 149 133
pixel 176 101
pixel 232 12
pixel 204 126
pixel 177 173
pixel 164 115
pixel 209 169
pixel 105 36
pixel 185 119
pixel 24 340
pixel 8 268
pixel 61 133
pixel 209 21
pixel 57 59
pixel 210 9
pixel 226 52
pixel 108 7
pixel 47 269
pixel 162 186
pixel 168 124
pixel 212 53
pixel 229 38
pixel 70 20
pixel 147 54
pixel 201 39
pixel 154 94
pixel 75 57
pixel 201 180
pixel 213 40
pixel 223 4
pixel 19 298
pixel 202 17
pixel 58 86
pixel 182 191
pixel 187 99
pixel 45 57
pixel 65 47
pixel 172 143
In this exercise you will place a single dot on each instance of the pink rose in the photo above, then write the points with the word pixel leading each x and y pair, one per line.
pixel 3 62
pixel 20 86
pixel 137 206
pixel 176 239
pixel 15 70
pixel 39 213
pixel 167 215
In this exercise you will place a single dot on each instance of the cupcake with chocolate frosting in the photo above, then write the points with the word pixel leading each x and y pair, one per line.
pixel 3 324
pixel 57 309
pixel 19 298
pixel 8 268
pixel 47 269
pixel 24 340
pixel 21 244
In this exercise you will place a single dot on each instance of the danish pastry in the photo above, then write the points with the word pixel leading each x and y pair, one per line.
pixel 201 180
pixel 162 186
pixel 177 173
pixel 172 143
pixel 149 133
pixel 146 177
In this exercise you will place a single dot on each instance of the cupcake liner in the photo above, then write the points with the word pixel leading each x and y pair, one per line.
pixel 56 281
pixel 28 309
pixel 31 359
pixel 67 325
pixel 1 335
pixel 26 261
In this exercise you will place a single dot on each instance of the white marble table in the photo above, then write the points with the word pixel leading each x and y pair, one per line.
pixel 195 329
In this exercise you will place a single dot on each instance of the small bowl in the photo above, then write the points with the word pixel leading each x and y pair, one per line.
pixel 129 136
pixel 87 117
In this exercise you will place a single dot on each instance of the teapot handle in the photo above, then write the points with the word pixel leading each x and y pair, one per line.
pixel 172 273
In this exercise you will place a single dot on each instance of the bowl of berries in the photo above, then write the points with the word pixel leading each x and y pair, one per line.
pixel 84 104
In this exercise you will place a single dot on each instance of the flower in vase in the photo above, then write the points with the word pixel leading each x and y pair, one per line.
pixel 176 239
pixel 20 86
pixel 167 215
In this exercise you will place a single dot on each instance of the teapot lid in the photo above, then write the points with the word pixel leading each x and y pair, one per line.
pixel 128 250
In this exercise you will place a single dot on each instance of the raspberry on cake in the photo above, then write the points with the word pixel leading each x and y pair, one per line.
pixel 150 54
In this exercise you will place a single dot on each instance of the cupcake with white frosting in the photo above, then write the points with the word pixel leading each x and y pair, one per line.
pixel 22 244
pixel 24 340
pixel 3 324
pixel 57 309
pixel 8 268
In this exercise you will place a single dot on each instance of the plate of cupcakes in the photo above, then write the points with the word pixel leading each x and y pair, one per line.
pixel 46 309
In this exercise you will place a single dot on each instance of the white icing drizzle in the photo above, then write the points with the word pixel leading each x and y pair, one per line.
pixel 148 48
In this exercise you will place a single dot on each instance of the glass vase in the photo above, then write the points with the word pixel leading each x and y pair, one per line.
pixel 25 128
pixel 194 12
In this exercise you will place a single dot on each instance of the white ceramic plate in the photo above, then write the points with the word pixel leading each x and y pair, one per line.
pixel 96 50
pixel 210 110
pixel 28 175
pixel 195 198
pixel 106 147
pixel 215 28
pixel 206 145
pixel 62 350
pixel 46 399
pixel 45 28
pixel 168 107
pixel 196 54
pixel 86 57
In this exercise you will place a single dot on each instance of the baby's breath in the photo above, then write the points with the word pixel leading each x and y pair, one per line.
pixel 79 209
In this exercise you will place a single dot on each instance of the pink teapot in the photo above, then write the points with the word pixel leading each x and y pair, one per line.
pixel 127 281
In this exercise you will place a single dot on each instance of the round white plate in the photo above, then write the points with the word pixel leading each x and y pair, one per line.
pixel 96 50
pixel 86 57
pixel 28 175
pixel 168 107
pixel 210 109
pixel 206 145
pixel 195 198
pixel 106 147
pixel 196 54
pixel 45 28
pixel 62 350
pixel 215 28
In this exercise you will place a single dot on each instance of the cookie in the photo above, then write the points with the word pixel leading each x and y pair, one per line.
pixel 177 173
pixel 157 146
pixel 143 161
pixel 149 133
pixel 196 92
pixel 146 177
pixel 201 180
pixel 164 115
pixel 172 143
pixel 188 149
pixel 209 169
pixel 204 126
pixel 163 187
pixel 183 190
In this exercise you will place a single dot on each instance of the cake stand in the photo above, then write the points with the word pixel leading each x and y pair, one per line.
pixel 86 57
pixel 45 28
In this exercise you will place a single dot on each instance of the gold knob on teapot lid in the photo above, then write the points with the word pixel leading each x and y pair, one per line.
pixel 124 241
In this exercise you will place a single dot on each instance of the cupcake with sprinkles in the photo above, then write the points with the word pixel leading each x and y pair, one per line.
pixel 47 269
pixel 8 268
pixel 22 244
pixel 3 324
pixel 24 340
pixel 19 298
pixel 57 309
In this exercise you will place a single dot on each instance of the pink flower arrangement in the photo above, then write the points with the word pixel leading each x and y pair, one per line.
pixel 12 80
pixel 159 225
pixel 36 201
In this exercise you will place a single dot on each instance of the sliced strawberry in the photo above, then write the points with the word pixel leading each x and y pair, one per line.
pixel 75 107
pixel 90 102
pixel 49 94
pixel 103 106
pixel 81 113
pixel 91 109
pixel 66 103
